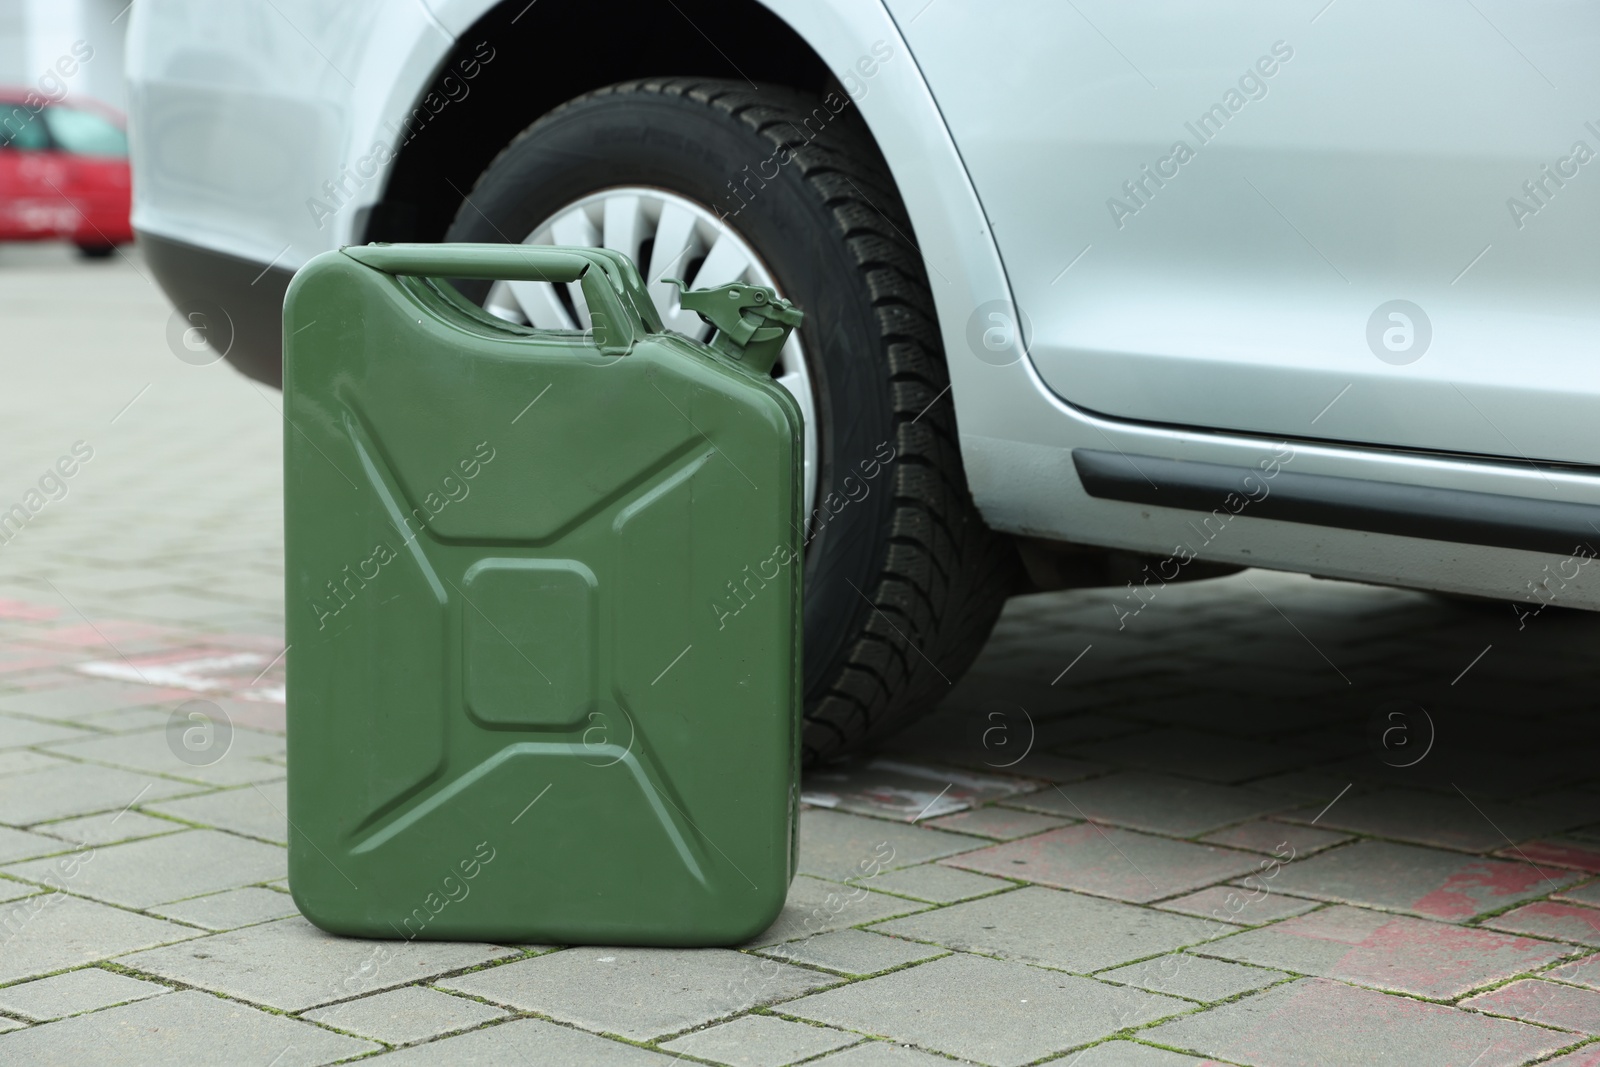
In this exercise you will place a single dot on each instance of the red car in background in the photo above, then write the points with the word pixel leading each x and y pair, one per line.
pixel 63 173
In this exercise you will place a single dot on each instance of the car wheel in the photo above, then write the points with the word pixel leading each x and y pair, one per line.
pixel 716 181
pixel 96 251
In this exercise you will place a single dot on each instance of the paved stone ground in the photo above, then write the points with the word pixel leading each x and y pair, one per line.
pixel 1269 821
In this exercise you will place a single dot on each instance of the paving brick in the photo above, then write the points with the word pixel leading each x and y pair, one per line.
pixel 292 966
pixel 1444 820
pixel 23 657
pixel 19 760
pixel 125 635
pixel 1564 922
pixel 513 1042
pixel 24 663
pixel 403 1016
pixel 260 716
pixel 992 1012
pixel 1423 881
pixel 63 790
pixel 187 1029
pixel 1037 765
pixel 1584 894
pixel 1253 714
pixel 1193 977
pixel 1003 824
pixel 1108 861
pixel 1130 1054
pixel 1573 805
pixel 1282 839
pixel 901 790
pixel 1314 1022
pixel 853 952
pixel 1584 972
pixel 938 883
pixel 12 610
pixel 128 721
pixel 108 828
pixel 1012 678
pixel 760 1041
pixel 881 1054
pixel 1557 852
pixel 28 666
pixel 1588 1056
pixel 231 909
pixel 87 698
pixel 54 931
pixel 838 845
pixel 1313 786
pixel 1393 952
pixel 1068 931
pixel 817 907
pixel 20 845
pixel 150 751
pixel 78 991
pixel 1160 803
pixel 214 668
pixel 1543 1002
pixel 256 810
pixel 156 870
pixel 10 890
pixel 1237 904
pixel 1197 755
pixel 639 993
pixel 1491 772
pixel 19 733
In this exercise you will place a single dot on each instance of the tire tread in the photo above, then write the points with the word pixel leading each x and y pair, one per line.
pixel 942 575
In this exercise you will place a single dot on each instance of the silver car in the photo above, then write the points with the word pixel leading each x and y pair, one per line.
pixel 1097 293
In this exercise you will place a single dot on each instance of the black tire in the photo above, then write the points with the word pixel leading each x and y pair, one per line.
pixel 96 251
pixel 904 583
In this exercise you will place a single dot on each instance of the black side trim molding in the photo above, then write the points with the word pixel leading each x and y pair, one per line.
pixel 1455 515
pixel 250 293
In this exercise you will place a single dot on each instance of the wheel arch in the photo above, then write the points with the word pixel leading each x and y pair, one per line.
pixel 435 169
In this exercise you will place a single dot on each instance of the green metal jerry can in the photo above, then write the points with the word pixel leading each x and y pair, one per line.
pixel 543 605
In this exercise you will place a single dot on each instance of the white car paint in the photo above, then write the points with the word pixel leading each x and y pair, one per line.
pixel 242 113
pixel 1323 167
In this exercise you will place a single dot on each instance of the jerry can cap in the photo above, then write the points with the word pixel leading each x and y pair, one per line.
pixel 752 321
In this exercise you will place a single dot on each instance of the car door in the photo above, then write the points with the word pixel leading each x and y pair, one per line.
pixel 95 184
pixel 28 206
pixel 1340 219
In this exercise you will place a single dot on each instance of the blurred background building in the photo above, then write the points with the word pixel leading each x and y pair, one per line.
pixel 35 34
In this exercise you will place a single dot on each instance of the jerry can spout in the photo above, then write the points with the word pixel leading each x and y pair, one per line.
pixel 752 321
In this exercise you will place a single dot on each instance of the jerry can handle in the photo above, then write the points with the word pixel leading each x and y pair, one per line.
pixel 611 285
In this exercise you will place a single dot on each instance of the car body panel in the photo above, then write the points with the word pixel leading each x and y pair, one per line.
pixel 244 114
pixel 1343 167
